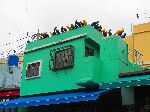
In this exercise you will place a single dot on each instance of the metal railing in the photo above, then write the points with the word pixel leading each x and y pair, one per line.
pixel 135 57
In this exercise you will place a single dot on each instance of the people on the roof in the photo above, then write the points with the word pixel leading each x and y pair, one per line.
pixel 78 24
pixel 38 36
pixel 84 22
pixel 52 33
pixel 63 29
pixel 97 26
pixel 95 23
pixel 119 32
pixel 69 28
pixel 123 35
pixel 44 35
pixel 104 32
pixel 110 33
pixel 73 26
pixel 56 30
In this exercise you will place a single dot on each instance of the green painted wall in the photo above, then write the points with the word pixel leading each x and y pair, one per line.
pixel 110 56
pixel 114 59
pixel 51 81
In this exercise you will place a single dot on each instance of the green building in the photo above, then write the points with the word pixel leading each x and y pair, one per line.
pixel 72 60
pixel 80 64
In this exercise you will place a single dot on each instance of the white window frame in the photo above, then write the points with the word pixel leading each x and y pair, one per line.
pixel 40 70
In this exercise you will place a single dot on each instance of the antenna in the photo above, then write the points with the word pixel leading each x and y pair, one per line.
pixel 26 6
pixel 132 41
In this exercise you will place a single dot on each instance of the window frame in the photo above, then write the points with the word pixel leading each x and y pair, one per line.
pixel 40 70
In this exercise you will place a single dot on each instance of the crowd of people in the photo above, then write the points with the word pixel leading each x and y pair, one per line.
pixel 78 24
pixel 108 33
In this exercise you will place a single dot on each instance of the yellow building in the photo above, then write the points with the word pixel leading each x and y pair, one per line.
pixel 3 61
pixel 141 44
pixel 21 57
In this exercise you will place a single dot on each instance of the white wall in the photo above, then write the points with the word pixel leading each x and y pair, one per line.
pixel 8 80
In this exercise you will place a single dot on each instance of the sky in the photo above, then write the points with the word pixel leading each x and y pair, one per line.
pixel 17 17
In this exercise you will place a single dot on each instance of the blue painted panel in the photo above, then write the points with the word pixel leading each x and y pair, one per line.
pixel 13 60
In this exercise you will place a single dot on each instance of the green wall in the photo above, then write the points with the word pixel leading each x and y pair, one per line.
pixel 114 59
pixel 110 57
pixel 61 80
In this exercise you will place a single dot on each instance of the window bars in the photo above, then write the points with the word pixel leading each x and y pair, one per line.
pixel 61 58
pixel 33 69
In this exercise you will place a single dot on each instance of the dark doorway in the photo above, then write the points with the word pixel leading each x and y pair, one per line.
pixel 142 98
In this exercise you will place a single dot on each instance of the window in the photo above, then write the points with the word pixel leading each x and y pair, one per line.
pixel 11 69
pixel 91 48
pixel 62 58
pixel 33 69
pixel 89 51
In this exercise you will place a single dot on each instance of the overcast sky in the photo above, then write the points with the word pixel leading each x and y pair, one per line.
pixel 17 17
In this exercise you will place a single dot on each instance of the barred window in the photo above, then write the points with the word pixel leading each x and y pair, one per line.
pixel 63 58
pixel 33 69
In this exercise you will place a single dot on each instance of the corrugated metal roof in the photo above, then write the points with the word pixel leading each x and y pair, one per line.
pixel 53 99
pixel 127 82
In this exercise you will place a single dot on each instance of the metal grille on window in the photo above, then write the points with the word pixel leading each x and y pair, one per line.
pixel 62 58
pixel 33 69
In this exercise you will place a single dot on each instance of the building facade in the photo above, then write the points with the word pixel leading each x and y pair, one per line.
pixel 10 80
pixel 3 61
pixel 70 72
pixel 141 40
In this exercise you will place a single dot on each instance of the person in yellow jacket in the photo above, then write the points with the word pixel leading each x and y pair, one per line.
pixel 119 32
pixel 69 27
pixel 84 22
pixel 52 33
